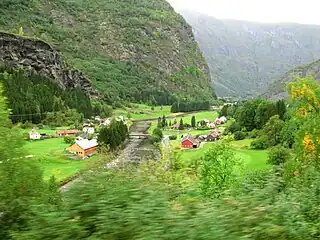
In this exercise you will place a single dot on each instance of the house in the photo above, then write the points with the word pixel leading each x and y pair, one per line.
pixel 217 121
pixel 63 133
pixel 223 119
pixel 88 130
pixel 189 142
pixel 211 125
pixel 34 135
pixel 213 136
pixel 97 118
pixel 84 148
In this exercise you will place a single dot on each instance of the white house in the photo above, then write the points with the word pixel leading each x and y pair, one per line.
pixel 89 130
pixel 34 135
pixel 211 125
pixel 223 119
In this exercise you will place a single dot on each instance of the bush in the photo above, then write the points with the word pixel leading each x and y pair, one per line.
pixel 254 133
pixel 234 127
pixel 157 132
pixel 278 155
pixel 173 137
pixel 260 143
pixel 155 139
pixel 239 135
pixel 68 139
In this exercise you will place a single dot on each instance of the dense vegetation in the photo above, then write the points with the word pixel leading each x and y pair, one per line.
pixel 244 57
pixel 137 51
pixel 261 119
pixel 189 106
pixel 34 98
pixel 112 136
pixel 213 198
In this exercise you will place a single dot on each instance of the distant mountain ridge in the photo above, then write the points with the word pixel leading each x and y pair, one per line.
pixel 278 90
pixel 245 57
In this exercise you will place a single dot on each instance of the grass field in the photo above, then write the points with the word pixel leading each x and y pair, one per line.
pixel 49 154
pixel 252 159
pixel 210 115
pixel 142 111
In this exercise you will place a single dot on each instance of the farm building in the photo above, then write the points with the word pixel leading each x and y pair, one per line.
pixel 84 148
pixel 34 135
pixel 88 130
pixel 189 142
pixel 63 133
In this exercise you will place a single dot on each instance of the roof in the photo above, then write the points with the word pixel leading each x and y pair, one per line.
pixel 33 132
pixel 86 144
pixel 67 132
pixel 190 138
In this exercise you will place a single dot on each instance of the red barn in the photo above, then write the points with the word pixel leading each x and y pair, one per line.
pixel 189 142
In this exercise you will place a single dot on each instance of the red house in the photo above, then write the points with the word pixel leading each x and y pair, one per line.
pixel 189 142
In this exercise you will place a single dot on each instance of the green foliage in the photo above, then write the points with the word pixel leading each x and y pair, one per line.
pixel 69 139
pixel 234 127
pixel 278 155
pixel 58 119
pixel 181 126
pixel 157 135
pixel 31 96
pixel 272 130
pixel 260 143
pixel 193 121
pixel 173 137
pixel 217 170
pixel 246 114
pixel 123 48
pixel 264 111
pixel 224 111
pixel 189 106
pixel 239 135
pixel 113 135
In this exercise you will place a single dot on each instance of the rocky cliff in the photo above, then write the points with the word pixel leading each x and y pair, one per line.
pixel 32 54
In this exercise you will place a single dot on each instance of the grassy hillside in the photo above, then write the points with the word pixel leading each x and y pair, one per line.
pixel 277 89
pixel 138 50
pixel 245 57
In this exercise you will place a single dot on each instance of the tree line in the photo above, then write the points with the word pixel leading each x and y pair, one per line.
pixel 189 106
pixel 31 97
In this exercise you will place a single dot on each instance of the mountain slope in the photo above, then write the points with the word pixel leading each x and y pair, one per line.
pixel 277 89
pixel 245 57
pixel 138 50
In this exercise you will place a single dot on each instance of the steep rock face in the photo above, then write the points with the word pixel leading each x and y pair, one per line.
pixel 32 54
pixel 277 90
pixel 245 57
pixel 139 50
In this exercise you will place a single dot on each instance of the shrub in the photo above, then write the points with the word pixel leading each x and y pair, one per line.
pixel 68 139
pixel 173 137
pixel 157 132
pixel 155 139
pixel 254 133
pixel 234 127
pixel 239 135
pixel 278 155
pixel 260 143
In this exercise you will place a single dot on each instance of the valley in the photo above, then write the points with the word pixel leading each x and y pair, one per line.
pixel 125 120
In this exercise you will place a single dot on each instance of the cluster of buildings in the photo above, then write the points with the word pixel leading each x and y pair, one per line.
pixel 189 141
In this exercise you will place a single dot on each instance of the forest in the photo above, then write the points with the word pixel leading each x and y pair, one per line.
pixel 214 198
pixel 34 98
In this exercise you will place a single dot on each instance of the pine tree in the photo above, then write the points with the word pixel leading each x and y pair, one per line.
pixel 193 121
pixel 163 123
pixel 181 127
